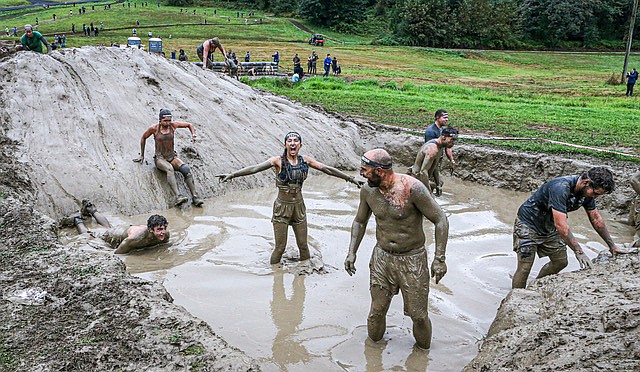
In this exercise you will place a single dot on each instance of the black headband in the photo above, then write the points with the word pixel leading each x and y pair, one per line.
pixel 374 164
pixel 293 134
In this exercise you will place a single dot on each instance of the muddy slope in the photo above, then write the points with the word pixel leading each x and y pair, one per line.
pixel 81 311
pixel 78 115
pixel 578 321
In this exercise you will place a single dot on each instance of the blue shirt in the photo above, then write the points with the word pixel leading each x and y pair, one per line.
pixel 276 58
pixel 632 78
pixel 327 61
pixel 557 194
pixel 432 132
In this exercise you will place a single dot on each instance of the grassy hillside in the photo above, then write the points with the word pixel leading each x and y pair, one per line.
pixel 558 96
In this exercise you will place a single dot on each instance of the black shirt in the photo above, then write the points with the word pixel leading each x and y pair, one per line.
pixel 557 194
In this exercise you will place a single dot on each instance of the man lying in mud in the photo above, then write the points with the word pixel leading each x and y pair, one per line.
pixel 125 238
pixel 427 164
pixel 541 224
pixel 399 259
pixel 291 170
pixel 166 159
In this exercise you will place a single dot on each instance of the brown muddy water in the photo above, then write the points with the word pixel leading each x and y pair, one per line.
pixel 218 269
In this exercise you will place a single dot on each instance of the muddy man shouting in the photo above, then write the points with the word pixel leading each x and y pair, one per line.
pixel 399 259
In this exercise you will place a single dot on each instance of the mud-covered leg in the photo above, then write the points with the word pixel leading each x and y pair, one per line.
pixel 188 179
pixel 79 223
pixel 166 167
pixel 558 261
pixel 422 332
pixel 522 272
pixel 377 319
pixel 88 209
pixel 301 233
pixel 280 234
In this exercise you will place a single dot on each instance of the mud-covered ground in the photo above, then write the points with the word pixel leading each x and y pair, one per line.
pixel 70 123
pixel 80 311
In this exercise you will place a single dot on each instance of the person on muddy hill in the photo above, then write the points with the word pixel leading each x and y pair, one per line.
pixel 33 40
pixel 125 238
pixel 291 170
pixel 428 158
pixel 207 48
pixel 435 129
pixel 166 159
pixel 399 259
pixel 541 224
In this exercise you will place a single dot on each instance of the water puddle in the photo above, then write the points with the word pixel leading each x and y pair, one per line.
pixel 218 269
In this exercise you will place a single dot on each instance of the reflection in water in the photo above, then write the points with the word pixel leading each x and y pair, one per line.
pixel 287 316
pixel 318 322
pixel 418 360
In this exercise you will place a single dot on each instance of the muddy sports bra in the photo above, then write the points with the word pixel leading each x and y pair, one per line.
pixel 164 144
pixel 292 174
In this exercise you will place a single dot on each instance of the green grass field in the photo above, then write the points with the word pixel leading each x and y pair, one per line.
pixel 558 96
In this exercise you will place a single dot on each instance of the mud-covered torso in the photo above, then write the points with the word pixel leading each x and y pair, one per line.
pixel 115 235
pixel 164 143
pixel 290 179
pixel 398 221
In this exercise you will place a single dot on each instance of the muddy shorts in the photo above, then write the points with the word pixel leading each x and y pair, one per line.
pixel 290 213
pixel 407 272
pixel 160 157
pixel 527 242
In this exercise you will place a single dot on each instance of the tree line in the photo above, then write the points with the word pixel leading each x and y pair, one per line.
pixel 468 23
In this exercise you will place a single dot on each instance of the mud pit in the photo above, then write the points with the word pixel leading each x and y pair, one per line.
pixel 75 139
pixel 218 270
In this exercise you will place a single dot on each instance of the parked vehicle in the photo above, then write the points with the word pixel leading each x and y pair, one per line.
pixel 317 40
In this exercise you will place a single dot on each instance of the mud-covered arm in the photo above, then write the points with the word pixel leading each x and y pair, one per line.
pixel 601 228
pixel 143 141
pixel 635 182
pixel 131 243
pixel 252 169
pixel 205 54
pixel 224 52
pixel 46 43
pixel 427 205
pixel 331 170
pixel 184 124
pixel 560 222
pixel 449 152
pixel 358 228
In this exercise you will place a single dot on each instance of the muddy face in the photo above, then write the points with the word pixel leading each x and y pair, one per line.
pixel 293 145
pixel 371 175
pixel 159 232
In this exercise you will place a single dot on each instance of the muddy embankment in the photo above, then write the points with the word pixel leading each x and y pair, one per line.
pixel 70 125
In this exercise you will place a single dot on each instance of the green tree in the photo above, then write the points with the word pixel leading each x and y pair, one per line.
pixel 424 23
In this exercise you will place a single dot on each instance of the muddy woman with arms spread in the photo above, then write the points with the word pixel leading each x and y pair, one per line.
pixel 291 170
pixel 166 159
pixel 399 259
